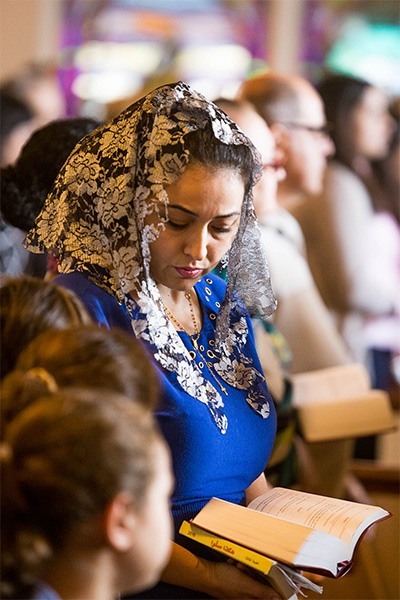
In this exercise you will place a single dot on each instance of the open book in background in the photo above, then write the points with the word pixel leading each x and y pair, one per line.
pixel 304 531
pixel 338 403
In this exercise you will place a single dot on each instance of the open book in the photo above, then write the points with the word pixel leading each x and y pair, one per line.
pixel 288 582
pixel 305 531
pixel 338 402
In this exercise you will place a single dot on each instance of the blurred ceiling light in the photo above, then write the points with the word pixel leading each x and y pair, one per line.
pixel 213 88
pixel 225 60
pixel 140 57
pixel 106 86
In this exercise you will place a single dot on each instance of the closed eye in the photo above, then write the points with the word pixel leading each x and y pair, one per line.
pixel 176 225
pixel 222 229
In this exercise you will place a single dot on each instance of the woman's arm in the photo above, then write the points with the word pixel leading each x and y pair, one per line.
pixel 217 579
pixel 258 487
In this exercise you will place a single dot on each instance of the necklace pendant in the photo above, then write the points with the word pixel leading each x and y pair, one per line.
pixel 194 342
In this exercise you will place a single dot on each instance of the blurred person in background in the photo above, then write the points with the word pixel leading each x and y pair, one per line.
pixel 388 173
pixel 357 268
pixel 29 100
pixel 24 185
pixel 17 123
pixel 383 334
pixel 387 169
pixel 294 113
pixel 273 349
pixel 37 85
pixel 356 217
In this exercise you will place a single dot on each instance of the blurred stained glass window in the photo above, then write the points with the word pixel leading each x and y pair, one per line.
pixel 113 51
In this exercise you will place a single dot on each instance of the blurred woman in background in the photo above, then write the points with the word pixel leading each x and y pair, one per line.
pixel 351 232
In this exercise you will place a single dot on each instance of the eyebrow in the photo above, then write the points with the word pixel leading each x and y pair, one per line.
pixel 190 212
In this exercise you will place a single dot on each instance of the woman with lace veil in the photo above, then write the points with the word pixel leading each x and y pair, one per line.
pixel 141 213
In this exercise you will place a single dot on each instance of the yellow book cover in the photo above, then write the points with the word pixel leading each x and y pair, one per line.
pixel 248 557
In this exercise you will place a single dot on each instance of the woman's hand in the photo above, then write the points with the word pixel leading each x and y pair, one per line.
pixel 231 581
pixel 217 579
pixel 257 488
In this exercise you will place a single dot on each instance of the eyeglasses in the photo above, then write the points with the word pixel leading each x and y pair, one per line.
pixel 324 131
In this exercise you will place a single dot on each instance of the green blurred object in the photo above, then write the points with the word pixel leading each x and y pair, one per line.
pixel 369 51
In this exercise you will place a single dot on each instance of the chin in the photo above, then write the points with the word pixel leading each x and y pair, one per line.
pixel 314 189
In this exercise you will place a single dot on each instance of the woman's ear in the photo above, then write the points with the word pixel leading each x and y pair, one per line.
pixel 119 522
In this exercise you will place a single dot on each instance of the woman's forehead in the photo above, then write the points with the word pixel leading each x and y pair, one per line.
pixel 198 192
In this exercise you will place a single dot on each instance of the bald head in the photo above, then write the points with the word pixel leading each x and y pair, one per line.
pixel 294 111
pixel 278 97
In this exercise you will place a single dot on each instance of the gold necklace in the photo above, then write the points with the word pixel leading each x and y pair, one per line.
pixel 194 338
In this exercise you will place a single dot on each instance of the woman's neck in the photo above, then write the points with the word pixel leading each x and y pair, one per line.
pixel 174 297
pixel 183 309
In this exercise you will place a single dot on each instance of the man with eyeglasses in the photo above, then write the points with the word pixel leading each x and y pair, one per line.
pixel 294 111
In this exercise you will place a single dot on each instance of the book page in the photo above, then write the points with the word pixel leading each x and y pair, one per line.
pixel 291 543
pixel 340 518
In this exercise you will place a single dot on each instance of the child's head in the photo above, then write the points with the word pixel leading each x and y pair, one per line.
pixel 85 356
pixel 25 184
pixel 84 471
pixel 29 306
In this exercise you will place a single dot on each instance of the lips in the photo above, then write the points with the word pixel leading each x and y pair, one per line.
pixel 188 272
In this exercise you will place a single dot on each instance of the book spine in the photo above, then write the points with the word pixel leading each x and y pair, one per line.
pixel 252 559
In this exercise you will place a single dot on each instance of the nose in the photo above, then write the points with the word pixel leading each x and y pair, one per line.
pixel 195 245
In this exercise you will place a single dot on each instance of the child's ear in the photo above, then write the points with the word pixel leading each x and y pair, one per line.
pixel 119 522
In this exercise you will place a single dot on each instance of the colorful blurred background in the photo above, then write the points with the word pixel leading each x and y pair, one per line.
pixel 106 52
